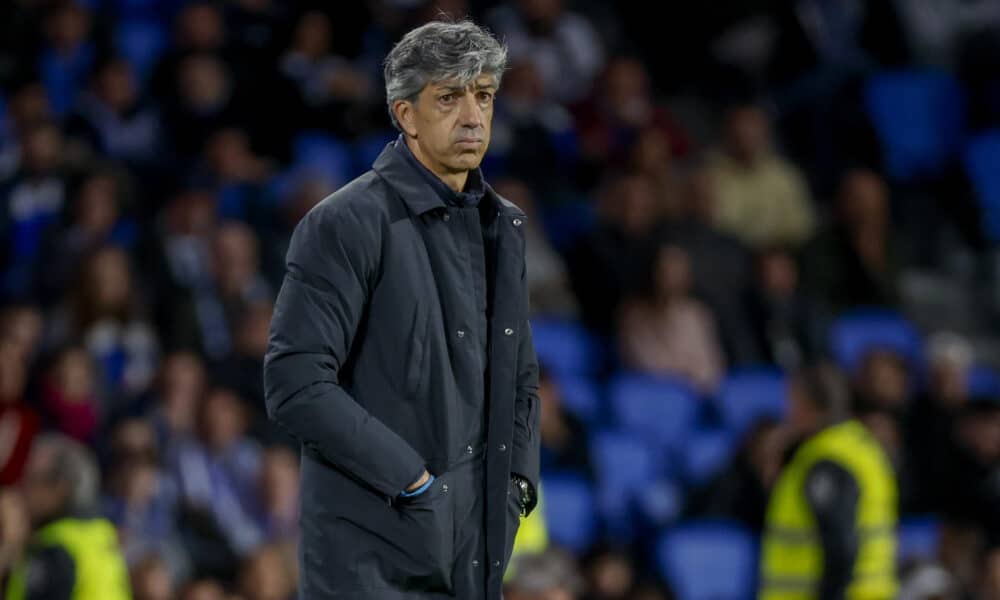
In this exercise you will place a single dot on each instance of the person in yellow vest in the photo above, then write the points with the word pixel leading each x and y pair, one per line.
pixel 831 518
pixel 71 554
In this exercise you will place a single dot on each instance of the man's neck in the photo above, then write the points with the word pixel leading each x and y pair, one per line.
pixel 453 179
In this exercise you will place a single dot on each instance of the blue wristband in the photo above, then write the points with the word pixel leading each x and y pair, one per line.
pixel 419 490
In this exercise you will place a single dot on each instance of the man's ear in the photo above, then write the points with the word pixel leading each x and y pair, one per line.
pixel 406 116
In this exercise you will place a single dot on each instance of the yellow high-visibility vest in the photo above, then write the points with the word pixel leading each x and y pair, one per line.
pixel 100 570
pixel 792 557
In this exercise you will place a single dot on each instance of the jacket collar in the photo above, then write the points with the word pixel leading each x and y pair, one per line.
pixel 417 192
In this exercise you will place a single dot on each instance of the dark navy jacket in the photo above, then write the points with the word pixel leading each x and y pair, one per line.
pixel 373 357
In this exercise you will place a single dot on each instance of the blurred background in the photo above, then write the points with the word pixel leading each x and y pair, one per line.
pixel 719 194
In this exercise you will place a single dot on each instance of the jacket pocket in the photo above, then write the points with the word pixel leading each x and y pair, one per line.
pixel 429 540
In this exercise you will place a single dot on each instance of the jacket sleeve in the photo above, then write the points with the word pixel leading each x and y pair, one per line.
pixel 832 493
pixel 525 457
pixel 331 267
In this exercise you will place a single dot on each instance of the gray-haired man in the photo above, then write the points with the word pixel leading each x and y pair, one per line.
pixel 400 352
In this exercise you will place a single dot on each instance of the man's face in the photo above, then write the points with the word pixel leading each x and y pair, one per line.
pixel 451 124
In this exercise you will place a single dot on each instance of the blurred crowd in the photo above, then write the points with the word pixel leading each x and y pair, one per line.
pixel 705 194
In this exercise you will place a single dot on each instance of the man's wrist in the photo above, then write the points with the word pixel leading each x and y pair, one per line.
pixel 420 489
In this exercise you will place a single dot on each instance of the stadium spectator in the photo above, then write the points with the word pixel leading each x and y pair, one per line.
pixel 564 436
pixel 19 422
pixel 741 490
pixel 561 43
pixel 790 326
pixel 116 121
pixel 857 260
pixel 607 263
pixel 761 198
pixel 669 332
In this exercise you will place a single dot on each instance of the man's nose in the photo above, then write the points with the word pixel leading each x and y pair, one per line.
pixel 470 114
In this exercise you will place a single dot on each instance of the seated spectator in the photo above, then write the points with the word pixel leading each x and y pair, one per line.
pixel 267 574
pixel 667 331
pixel 606 263
pixel 856 261
pixel 532 135
pixel 238 176
pixel 218 471
pixel 562 44
pixel 279 493
pixel 551 575
pixel 27 104
pixel 741 491
pixel 19 423
pixel 68 54
pixel 882 383
pixel 610 574
pixel 115 121
pixel 243 370
pixel 69 395
pixel 205 101
pixel 180 388
pixel 761 198
pixel 105 315
pixel 790 327
pixel 720 265
pixel 151 580
pixel 96 219
pixel 33 203
pixel 564 436
pixel 621 112
pixel 966 489
pixel 210 299
pixel 549 290
pixel 142 502
pixel 327 83
pixel 650 154
pixel 949 359
pixel 21 325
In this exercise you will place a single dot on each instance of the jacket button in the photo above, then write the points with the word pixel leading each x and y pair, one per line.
pixel 460 333
pixel 468 449
pixel 446 217
pixel 496 564
pixel 517 222
pixel 444 488
pixel 503 447
pixel 508 331
pixel 475 563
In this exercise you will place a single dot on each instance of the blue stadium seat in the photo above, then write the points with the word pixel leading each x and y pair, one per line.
pixel 660 504
pixel 708 560
pixel 141 43
pixel 660 410
pixel 323 154
pixel 918 539
pixel 570 510
pixel 625 466
pixel 581 397
pixel 983 382
pixel 982 166
pixel 918 116
pixel 705 454
pixel 565 347
pixel 748 395
pixel 856 333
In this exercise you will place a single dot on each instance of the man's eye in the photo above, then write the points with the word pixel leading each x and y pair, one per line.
pixel 485 97
pixel 447 98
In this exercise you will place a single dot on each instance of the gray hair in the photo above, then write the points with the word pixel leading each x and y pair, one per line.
pixel 440 51
pixel 73 464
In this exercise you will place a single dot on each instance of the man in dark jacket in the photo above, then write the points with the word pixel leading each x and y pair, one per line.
pixel 400 352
